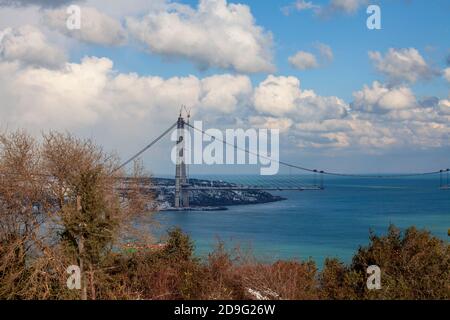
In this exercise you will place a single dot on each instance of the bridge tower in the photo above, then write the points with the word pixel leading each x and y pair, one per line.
pixel 181 182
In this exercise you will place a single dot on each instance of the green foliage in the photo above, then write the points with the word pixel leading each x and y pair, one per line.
pixel 335 281
pixel 414 265
pixel 179 245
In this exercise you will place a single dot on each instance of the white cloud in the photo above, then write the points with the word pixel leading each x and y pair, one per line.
pixel 225 92
pixel 303 60
pixel 379 118
pixel 304 5
pixel 63 98
pixel 372 132
pixel 13 17
pixel 332 7
pixel 400 65
pixel 43 3
pixel 353 133
pixel 216 34
pixel 90 92
pixel 346 6
pixel 444 106
pixel 325 51
pixel 29 45
pixel 282 124
pixel 277 95
pixel 91 95
pixel 382 99
pixel 281 96
pixel 120 8
pixel 96 27
pixel 300 5
pixel 447 74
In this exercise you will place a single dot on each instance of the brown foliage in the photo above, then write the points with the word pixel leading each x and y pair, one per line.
pixel 414 265
pixel 61 205
pixel 58 207
pixel 23 202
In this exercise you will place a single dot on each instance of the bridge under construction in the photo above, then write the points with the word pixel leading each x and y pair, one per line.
pixel 182 188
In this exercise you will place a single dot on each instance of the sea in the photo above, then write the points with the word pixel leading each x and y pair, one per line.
pixel 317 224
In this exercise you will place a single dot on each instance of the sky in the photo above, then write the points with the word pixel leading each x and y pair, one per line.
pixel 344 97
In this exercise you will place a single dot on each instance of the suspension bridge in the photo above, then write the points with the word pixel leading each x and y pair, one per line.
pixel 182 187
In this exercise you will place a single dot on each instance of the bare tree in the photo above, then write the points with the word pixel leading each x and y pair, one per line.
pixel 23 203
pixel 61 204
pixel 91 213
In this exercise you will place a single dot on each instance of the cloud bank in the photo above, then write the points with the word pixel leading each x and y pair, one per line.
pixel 29 46
pixel 42 90
pixel 332 7
pixel 303 60
pixel 402 65
pixel 96 27
pixel 41 3
pixel 215 34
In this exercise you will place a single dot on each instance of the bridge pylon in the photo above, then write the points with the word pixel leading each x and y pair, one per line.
pixel 181 181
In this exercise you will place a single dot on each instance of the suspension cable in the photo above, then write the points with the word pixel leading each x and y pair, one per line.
pixel 151 144
pixel 286 164
pixel 315 171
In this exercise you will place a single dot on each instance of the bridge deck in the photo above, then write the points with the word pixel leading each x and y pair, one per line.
pixel 233 188
pixel 250 188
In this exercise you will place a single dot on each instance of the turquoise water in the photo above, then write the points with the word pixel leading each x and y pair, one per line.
pixel 319 224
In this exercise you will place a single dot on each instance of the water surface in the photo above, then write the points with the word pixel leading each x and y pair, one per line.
pixel 318 224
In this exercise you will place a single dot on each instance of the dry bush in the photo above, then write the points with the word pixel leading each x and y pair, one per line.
pixel 59 206
pixel 222 280
pixel 236 275
pixel 284 280
pixel 91 215
pixel 47 278
pixel 172 273
pixel 23 203
pixel 414 266
pixel 336 281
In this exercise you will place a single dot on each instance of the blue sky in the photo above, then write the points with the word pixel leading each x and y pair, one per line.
pixel 121 79
pixel 420 24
